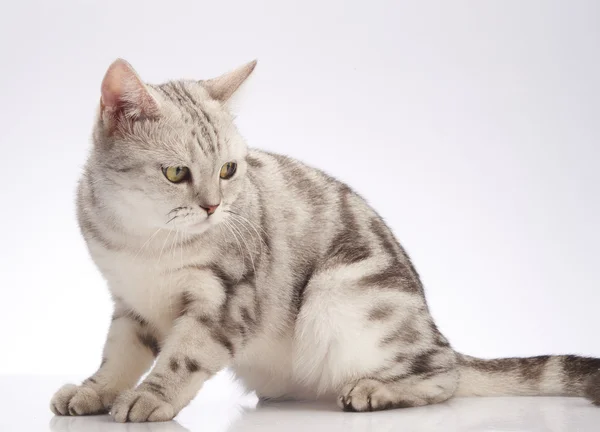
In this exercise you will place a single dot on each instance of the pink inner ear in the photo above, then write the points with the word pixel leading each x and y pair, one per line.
pixel 113 83
pixel 123 91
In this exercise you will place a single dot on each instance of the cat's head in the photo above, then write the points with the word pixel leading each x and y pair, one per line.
pixel 169 155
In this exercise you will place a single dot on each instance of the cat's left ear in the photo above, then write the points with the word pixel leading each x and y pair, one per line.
pixel 223 87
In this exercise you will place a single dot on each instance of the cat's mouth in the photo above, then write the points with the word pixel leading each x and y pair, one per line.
pixel 198 224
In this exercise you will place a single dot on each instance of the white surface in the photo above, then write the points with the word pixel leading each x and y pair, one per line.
pixel 472 126
pixel 221 407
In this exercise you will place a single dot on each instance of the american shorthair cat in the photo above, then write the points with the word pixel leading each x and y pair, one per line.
pixel 217 255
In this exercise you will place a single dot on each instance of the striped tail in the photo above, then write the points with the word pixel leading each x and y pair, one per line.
pixel 534 376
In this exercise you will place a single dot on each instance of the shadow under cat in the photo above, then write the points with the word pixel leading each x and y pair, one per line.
pixel 466 414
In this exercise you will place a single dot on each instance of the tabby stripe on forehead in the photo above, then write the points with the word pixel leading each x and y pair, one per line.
pixel 217 143
pixel 184 94
pixel 172 93
pixel 204 121
pixel 193 107
pixel 187 104
pixel 164 90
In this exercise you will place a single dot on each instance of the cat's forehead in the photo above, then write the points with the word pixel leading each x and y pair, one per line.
pixel 191 120
pixel 188 98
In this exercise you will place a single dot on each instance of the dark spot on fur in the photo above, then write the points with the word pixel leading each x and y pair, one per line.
pixel 347 247
pixel 529 368
pixel 390 278
pixel 191 365
pixel 219 336
pixel 578 371
pixel 205 320
pixel 226 280
pixel 404 335
pixel 149 342
pixel 254 162
pixel 186 300
pixel 345 250
pixel 439 339
pixel 155 388
pixel 174 365
pixel 135 316
pixel 592 388
pixel 423 363
pixel 248 320
pixel 533 368
pixel 383 234
pixel 302 277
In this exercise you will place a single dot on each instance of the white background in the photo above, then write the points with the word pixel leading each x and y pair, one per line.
pixel 471 126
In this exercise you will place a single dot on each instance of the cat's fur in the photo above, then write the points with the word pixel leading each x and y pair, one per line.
pixel 294 282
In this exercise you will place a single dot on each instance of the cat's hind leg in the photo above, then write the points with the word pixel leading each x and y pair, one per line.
pixel 365 339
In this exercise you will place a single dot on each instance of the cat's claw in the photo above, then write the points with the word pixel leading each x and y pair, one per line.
pixel 141 406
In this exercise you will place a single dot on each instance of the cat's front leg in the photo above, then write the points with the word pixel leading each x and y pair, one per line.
pixel 129 351
pixel 204 340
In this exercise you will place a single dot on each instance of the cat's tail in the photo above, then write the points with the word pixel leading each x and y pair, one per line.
pixel 534 376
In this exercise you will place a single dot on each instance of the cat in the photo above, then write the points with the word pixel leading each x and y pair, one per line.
pixel 219 256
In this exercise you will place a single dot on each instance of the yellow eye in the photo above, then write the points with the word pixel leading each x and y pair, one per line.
pixel 228 170
pixel 176 174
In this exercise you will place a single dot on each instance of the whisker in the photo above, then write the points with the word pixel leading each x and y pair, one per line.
pixel 163 247
pixel 252 225
pixel 176 209
pixel 171 271
pixel 250 222
pixel 243 224
pixel 245 243
pixel 146 242
pixel 173 218
pixel 228 225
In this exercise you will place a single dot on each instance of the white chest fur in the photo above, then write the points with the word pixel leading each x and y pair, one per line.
pixel 150 283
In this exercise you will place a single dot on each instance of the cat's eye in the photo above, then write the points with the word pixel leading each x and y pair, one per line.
pixel 176 174
pixel 228 170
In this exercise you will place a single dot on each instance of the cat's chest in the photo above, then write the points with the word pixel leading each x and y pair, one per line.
pixel 150 284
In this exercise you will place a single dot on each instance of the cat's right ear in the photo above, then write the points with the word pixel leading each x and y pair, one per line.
pixel 124 96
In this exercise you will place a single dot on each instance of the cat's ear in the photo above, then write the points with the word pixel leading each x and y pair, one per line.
pixel 124 95
pixel 223 87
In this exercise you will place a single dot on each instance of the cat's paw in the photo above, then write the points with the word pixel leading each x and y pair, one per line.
pixel 141 406
pixel 76 401
pixel 371 395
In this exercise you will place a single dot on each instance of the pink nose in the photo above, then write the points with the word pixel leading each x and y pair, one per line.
pixel 210 209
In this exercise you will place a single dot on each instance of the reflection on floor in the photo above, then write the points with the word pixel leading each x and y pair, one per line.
pixel 222 407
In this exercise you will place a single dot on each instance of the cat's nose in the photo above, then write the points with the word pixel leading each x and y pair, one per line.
pixel 210 209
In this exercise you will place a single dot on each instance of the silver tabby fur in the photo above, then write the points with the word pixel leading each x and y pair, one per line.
pixel 294 282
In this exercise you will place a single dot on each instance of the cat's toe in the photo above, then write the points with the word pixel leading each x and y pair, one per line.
pixel 59 404
pixel 374 395
pixel 357 396
pixel 141 406
pixel 75 401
